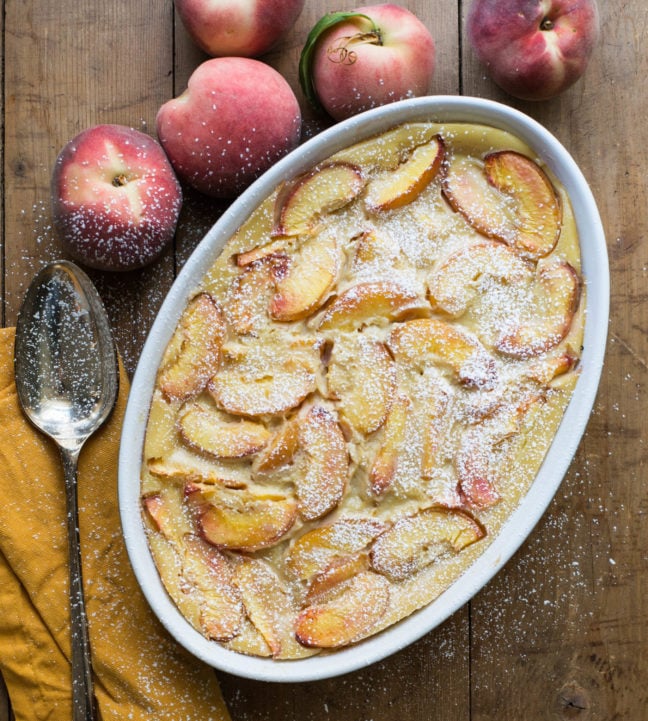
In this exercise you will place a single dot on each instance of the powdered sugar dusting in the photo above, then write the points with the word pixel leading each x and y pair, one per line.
pixel 400 358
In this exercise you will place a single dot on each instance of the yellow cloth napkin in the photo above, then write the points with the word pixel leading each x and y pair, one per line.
pixel 140 672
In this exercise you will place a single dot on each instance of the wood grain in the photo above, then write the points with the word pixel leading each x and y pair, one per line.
pixel 560 633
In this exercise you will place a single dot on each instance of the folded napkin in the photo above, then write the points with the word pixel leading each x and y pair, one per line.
pixel 140 672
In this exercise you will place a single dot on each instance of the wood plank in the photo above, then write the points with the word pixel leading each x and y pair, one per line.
pixel 67 68
pixel 561 632
pixel 427 681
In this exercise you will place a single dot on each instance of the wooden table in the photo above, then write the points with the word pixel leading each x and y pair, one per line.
pixel 561 632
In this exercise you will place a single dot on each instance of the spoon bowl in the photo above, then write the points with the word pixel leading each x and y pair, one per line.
pixel 67 380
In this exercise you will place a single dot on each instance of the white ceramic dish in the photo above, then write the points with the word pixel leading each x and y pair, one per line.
pixel 519 525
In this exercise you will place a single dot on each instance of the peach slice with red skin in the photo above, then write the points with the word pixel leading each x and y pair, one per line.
pixel 162 516
pixel 477 486
pixel 241 520
pixel 261 382
pixel 349 615
pixel 281 449
pixel 339 570
pixel 556 294
pixel 475 464
pixel 433 414
pixel 326 464
pixel 193 355
pixel 208 571
pixel 374 251
pixel 324 189
pixel 275 247
pixel 405 184
pixel 430 339
pixel 454 284
pixel 309 275
pixel 312 441
pixel 385 465
pixel 414 542
pixel 527 215
pixel 210 431
pixel 316 550
pixel 264 599
pixel 250 292
pixel 547 370
pixel 182 469
pixel 361 376
pixel 372 302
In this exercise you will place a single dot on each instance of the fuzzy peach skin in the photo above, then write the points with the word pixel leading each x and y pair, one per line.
pixel 237 117
pixel 533 49
pixel 115 198
pixel 354 71
pixel 246 28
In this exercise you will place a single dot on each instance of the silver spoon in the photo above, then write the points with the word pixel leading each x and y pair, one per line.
pixel 67 380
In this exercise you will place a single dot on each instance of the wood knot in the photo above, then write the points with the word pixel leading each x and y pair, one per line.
pixel 573 701
pixel 20 168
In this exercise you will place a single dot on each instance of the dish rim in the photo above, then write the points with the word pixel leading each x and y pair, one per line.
pixel 595 271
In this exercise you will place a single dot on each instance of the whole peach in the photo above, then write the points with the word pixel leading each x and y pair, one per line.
pixel 115 198
pixel 237 117
pixel 232 27
pixel 376 55
pixel 533 49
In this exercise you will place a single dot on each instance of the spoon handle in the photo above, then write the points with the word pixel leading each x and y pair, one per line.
pixel 82 693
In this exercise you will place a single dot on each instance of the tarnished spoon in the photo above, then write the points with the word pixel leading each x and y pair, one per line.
pixel 67 380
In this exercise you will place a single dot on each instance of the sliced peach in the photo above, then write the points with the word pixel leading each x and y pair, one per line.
pixel 210 431
pixel 547 370
pixel 478 456
pixel 457 279
pixel 403 185
pixel 469 193
pixel 339 570
pixel 374 250
pixel 241 520
pixel 193 355
pixel 538 208
pixel 425 340
pixel 249 293
pixel 280 450
pixel 387 150
pixel 556 294
pixel 275 247
pixel 310 274
pixel 266 381
pixel 323 190
pixel 361 377
pixel 385 464
pixel 315 551
pixel 207 570
pixel 180 466
pixel 477 483
pixel 321 487
pixel 348 616
pixel 415 542
pixel 509 198
pixel 434 407
pixel 372 302
pixel 264 599
pixel 161 514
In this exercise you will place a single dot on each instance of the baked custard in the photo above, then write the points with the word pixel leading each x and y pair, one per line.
pixel 362 389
